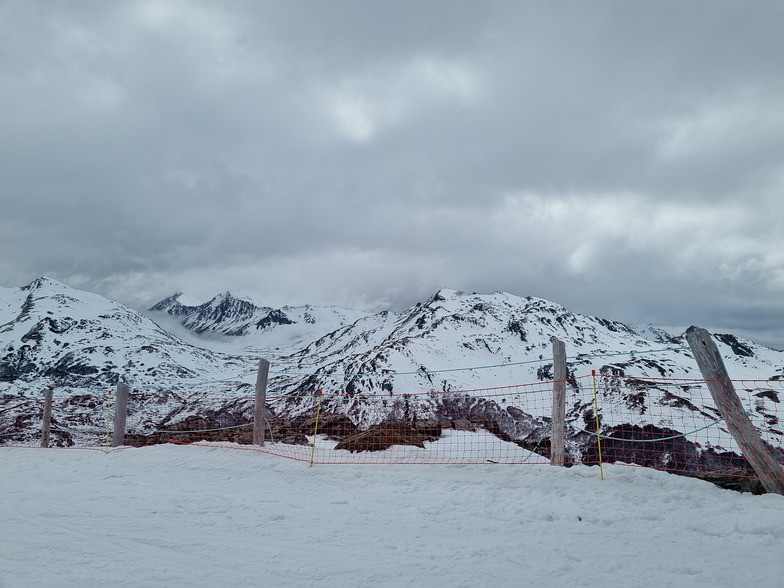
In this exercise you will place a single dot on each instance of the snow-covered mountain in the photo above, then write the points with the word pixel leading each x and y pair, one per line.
pixel 231 322
pixel 225 314
pixel 55 336
pixel 434 360
pixel 456 341
pixel 654 333
pixel 426 346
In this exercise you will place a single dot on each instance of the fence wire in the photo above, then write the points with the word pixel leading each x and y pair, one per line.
pixel 667 424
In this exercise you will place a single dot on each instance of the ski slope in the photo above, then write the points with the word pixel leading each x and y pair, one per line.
pixel 207 516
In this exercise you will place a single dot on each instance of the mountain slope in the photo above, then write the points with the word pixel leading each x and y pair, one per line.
pixel 54 336
pixel 435 360
pixel 454 330
pixel 242 326
pixel 462 344
pixel 458 344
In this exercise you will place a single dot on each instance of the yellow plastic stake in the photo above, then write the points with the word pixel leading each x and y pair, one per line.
pixel 598 432
pixel 108 416
pixel 315 430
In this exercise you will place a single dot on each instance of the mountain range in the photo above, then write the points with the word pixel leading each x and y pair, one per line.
pixel 81 344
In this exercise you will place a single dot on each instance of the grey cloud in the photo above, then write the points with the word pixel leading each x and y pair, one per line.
pixel 622 159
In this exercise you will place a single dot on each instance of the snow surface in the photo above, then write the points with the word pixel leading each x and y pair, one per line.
pixel 194 516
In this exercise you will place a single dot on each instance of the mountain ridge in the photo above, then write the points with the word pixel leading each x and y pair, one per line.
pixel 60 336
pixel 81 343
pixel 497 324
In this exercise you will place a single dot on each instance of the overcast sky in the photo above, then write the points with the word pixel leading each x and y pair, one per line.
pixel 625 159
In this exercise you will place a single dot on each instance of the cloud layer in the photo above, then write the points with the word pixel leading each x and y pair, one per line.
pixel 625 160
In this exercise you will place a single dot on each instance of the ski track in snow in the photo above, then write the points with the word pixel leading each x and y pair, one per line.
pixel 194 516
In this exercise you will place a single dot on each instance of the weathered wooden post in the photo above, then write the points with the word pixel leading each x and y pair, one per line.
pixel 260 407
pixel 714 373
pixel 559 403
pixel 47 421
pixel 121 411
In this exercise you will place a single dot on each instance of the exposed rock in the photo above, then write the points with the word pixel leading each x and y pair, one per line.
pixel 275 317
pixel 195 428
pixel 738 482
pixel 190 430
pixel 738 347
pixel 430 430
pixel 383 436
pixel 462 425
pixel 334 426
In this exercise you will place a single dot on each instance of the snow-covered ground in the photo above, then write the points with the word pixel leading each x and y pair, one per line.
pixel 208 516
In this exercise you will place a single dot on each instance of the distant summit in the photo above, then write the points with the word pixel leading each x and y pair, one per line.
pixel 241 318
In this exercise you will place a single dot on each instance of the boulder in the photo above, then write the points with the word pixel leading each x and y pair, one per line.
pixel 384 435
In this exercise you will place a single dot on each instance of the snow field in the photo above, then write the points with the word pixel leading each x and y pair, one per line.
pixel 194 516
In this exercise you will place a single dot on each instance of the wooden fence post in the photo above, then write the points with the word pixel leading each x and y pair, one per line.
pixel 708 358
pixel 121 411
pixel 260 407
pixel 47 421
pixel 559 403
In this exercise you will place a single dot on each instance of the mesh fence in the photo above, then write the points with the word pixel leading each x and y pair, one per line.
pixel 667 424
pixel 674 425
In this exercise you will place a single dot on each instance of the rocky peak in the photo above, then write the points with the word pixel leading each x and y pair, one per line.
pixel 172 305
pixel 43 283
pixel 275 317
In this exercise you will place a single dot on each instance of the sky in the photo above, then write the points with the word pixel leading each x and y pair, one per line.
pixel 623 159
